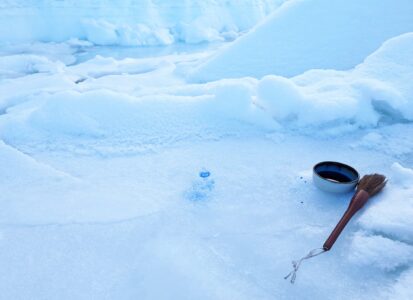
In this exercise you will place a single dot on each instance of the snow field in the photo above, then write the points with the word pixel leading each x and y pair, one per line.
pixel 115 139
pixel 238 243
pixel 97 157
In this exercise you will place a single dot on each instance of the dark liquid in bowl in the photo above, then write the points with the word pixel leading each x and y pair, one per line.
pixel 334 176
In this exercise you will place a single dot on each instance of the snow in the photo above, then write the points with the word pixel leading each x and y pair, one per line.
pixel 402 289
pixel 130 22
pixel 304 35
pixel 380 252
pixel 18 65
pixel 101 148
pixel 376 91
pixel 392 215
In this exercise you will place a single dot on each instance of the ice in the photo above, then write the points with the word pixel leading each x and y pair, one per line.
pixel 20 65
pixel 104 33
pixel 239 242
pixel 304 35
pixel 102 66
pixel 19 168
pixel 63 52
pixel 101 149
pixel 131 22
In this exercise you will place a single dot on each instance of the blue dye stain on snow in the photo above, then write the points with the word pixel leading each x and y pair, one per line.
pixel 204 174
pixel 201 187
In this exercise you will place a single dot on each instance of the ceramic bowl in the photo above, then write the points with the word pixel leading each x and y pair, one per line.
pixel 335 177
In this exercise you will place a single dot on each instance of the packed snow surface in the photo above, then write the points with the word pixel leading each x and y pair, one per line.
pixel 121 179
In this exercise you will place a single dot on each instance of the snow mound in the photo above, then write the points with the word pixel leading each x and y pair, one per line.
pixel 304 35
pixel 391 214
pixel 131 22
pixel 378 91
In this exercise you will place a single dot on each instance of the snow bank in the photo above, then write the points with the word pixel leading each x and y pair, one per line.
pixel 377 91
pixel 304 35
pixel 99 117
pixel 130 22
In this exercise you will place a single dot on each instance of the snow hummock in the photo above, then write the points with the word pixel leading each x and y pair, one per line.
pixel 376 91
pixel 331 101
pixel 304 35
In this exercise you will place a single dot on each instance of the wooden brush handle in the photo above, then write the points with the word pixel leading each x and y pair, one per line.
pixel 357 202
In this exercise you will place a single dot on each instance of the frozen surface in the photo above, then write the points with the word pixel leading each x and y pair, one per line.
pixel 100 154
pixel 316 34
pixel 130 22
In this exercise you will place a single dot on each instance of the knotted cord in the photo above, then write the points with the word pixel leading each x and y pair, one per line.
pixel 296 264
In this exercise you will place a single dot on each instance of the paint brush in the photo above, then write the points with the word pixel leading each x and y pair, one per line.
pixel 367 187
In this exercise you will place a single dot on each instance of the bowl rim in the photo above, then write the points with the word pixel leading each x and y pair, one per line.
pixel 328 162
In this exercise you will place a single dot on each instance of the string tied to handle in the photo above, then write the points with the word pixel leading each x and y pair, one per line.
pixel 297 263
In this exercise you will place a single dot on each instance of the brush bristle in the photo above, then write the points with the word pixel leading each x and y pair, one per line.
pixel 372 184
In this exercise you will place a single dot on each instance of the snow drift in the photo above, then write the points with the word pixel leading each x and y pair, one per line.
pixel 304 35
pixel 375 92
